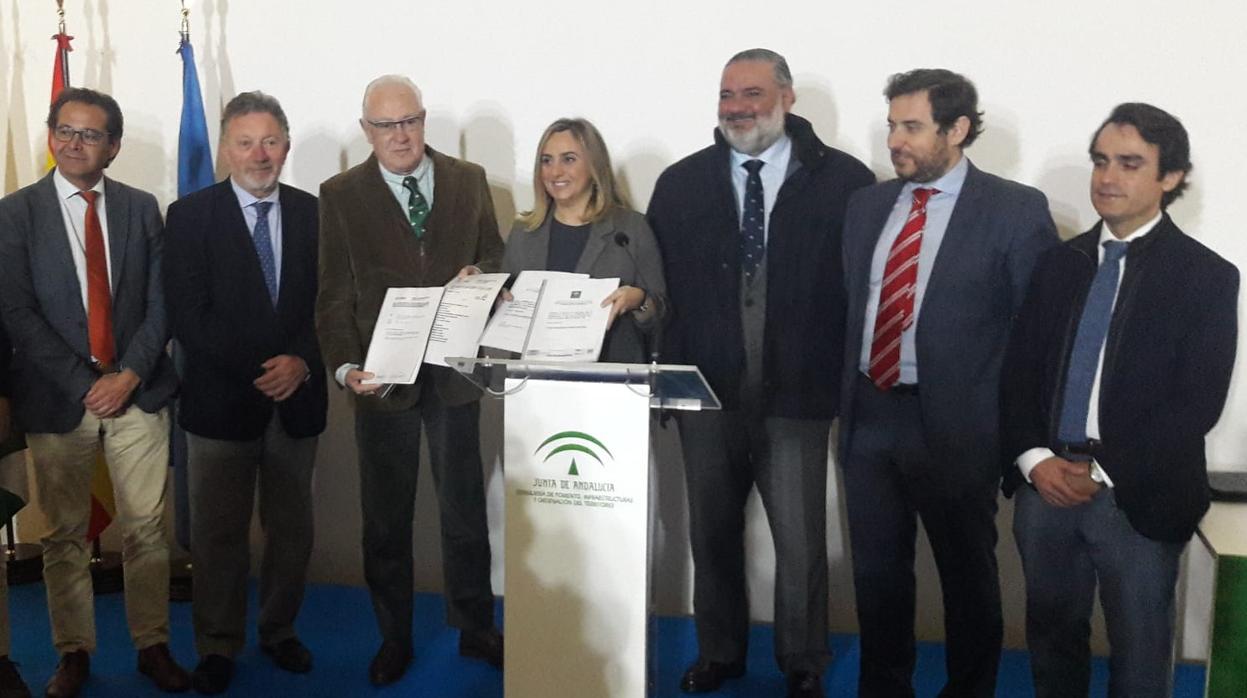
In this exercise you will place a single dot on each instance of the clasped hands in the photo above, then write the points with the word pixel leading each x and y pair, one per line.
pixel 1064 483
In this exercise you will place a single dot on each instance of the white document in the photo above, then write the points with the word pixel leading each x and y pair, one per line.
pixel 461 316
pixel 508 328
pixel 401 334
pixel 569 322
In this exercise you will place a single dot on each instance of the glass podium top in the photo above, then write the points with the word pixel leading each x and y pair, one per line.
pixel 669 386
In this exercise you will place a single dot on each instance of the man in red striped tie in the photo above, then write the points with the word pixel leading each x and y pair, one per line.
pixel 81 297
pixel 936 263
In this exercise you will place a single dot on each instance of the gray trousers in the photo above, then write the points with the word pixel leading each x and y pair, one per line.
pixel 725 455
pixel 223 486
pixel 1065 552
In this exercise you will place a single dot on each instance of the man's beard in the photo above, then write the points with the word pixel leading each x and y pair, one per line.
pixel 767 128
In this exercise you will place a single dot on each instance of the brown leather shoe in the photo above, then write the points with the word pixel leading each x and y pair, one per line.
pixel 156 663
pixel 484 644
pixel 71 673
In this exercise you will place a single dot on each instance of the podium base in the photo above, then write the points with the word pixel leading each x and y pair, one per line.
pixel 25 563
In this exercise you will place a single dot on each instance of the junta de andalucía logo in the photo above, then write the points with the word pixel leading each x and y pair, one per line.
pixel 574 442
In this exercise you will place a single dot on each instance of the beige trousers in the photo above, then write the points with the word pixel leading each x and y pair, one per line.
pixel 136 447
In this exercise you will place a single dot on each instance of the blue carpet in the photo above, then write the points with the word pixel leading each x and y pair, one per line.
pixel 337 624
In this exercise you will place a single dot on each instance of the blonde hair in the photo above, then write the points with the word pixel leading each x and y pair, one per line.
pixel 604 194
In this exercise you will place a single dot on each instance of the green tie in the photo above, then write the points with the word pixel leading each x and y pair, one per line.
pixel 417 207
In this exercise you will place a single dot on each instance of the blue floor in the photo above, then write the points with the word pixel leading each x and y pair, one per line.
pixel 337 624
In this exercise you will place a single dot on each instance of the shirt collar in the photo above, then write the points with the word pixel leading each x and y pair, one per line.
pixel 1106 234
pixel 949 183
pixel 67 190
pixel 396 180
pixel 779 150
pixel 246 198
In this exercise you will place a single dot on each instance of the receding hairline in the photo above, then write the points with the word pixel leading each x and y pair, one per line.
pixel 390 81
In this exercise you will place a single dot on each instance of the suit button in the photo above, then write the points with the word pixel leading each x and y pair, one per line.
pixel 748 302
pixel 723 265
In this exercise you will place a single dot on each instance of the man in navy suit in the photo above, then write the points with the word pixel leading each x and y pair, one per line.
pixel 80 291
pixel 241 269
pixel 936 263
pixel 1118 366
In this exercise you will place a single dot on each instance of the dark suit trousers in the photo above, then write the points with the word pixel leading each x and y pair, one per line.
pixel 389 452
pixel 725 454
pixel 1064 553
pixel 223 483
pixel 890 481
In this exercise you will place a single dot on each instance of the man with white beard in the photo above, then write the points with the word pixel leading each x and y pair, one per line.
pixel 750 230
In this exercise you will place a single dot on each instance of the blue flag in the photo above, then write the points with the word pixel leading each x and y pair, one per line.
pixel 194 154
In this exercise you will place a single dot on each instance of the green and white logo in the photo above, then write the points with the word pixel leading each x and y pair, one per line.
pixel 574 442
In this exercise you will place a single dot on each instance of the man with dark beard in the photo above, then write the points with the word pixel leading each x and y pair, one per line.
pixel 936 263
pixel 750 230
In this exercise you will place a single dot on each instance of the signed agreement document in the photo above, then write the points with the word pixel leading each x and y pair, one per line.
pixel 401 334
pixel 508 328
pixel 461 317
pixel 569 321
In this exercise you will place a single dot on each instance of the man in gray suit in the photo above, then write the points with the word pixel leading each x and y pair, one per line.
pixel 936 264
pixel 81 296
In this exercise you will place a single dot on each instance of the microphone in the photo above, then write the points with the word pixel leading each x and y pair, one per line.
pixel 623 241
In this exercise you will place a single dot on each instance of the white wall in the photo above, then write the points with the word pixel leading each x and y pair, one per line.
pixel 494 74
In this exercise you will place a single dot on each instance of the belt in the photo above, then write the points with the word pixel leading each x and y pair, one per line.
pixel 1080 450
pixel 896 389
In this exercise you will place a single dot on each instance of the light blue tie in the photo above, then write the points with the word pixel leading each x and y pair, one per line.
pixel 263 241
pixel 1084 360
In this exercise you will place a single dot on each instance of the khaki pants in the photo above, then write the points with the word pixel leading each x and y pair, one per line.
pixel 136 447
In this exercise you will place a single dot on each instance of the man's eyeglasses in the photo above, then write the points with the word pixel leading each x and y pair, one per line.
pixel 408 124
pixel 89 136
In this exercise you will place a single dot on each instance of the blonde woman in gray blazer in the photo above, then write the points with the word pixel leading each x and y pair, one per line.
pixel 581 223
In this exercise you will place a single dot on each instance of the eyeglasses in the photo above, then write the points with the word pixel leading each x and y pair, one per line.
pixel 409 124
pixel 90 136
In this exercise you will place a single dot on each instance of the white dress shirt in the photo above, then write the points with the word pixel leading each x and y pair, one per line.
pixel 773 174
pixel 74 213
pixel 251 215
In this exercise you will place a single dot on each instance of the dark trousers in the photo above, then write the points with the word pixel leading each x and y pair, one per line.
pixel 224 478
pixel 725 455
pixel 890 482
pixel 1064 553
pixel 389 451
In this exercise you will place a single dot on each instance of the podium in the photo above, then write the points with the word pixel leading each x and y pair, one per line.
pixel 576 454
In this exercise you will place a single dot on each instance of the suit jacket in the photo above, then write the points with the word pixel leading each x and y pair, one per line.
pixel 694 216
pixel 997 231
pixel 639 265
pixel 1166 371
pixel 366 246
pixel 41 301
pixel 224 322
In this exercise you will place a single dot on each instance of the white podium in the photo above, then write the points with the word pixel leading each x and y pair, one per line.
pixel 576 454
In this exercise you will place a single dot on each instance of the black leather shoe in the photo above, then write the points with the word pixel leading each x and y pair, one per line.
pixel 290 655
pixel 485 645
pixel 11 684
pixel 390 663
pixel 156 663
pixel 213 674
pixel 704 675
pixel 803 684
pixel 71 673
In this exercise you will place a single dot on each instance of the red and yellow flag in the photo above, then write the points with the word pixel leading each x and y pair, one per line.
pixel 60 78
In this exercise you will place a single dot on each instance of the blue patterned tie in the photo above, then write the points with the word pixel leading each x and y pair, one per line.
pixel 1084 360
pixel 264 248
pixel 752 240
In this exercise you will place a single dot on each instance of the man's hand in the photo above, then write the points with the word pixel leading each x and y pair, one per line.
pixel 6 423
pixel 470 270
pixel 110 393
pixel 621 300
pixel 283 374
pixel 1061 482
pixel 355 381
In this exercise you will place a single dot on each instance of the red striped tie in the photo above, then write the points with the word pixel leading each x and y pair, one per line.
pixel 896 295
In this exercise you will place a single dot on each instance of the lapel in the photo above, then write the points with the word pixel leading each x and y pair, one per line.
pixel 387 217
pixel 117 201
pixel 291 241
pixel 963 238
pixel 232 225
pixel 601 235
pixel 447 211
pixel 51 239
pixel 859 258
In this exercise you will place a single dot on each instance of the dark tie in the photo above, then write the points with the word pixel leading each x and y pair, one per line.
pixel 896 294
pixel 417 207
pixel 264 248
pixel 1084 359
pixel 99 297
pixel 752 240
